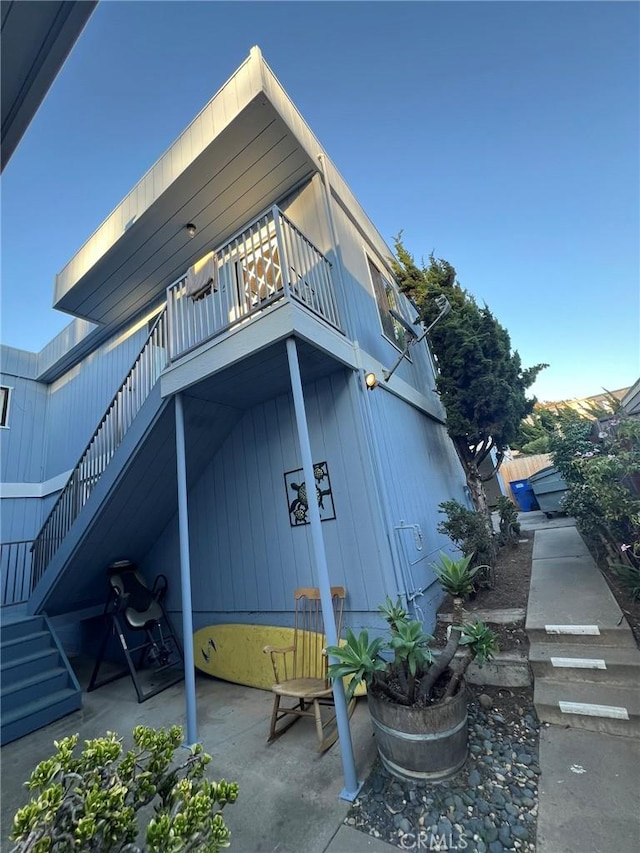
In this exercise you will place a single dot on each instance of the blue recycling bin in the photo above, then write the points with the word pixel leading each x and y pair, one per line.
pixel 524 495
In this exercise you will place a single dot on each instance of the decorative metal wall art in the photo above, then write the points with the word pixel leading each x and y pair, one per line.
pixel 296 490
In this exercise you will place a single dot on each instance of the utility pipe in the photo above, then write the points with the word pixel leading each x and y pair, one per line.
pixel 351 784
pixel 185 577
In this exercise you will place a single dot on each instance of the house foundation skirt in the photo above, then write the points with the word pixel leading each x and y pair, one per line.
pixel 421 743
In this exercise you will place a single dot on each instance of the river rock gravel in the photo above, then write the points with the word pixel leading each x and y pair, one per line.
pixel 491 805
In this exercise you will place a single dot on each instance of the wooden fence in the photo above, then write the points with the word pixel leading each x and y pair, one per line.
pixel 521 468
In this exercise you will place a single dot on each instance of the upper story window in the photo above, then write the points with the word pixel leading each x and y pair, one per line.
pixel 5 393
pixel 387 298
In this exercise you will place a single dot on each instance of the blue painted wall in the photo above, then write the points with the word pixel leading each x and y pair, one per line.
pixel 21 443
pixel 356 300
pixel 79 398
pixel 420 470
pixel 246 559
pixel 50 425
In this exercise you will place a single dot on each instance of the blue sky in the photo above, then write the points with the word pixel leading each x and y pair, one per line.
pixel 502 136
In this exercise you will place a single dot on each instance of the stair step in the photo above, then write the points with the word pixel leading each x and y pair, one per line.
pixel 38 713
pixel 594 634
pixel 27 690
pixel 569 593
pixel 577 662
pixel 16 630
pixel 13 671
pixel 498 616
pixel 16 649
pixel 613 709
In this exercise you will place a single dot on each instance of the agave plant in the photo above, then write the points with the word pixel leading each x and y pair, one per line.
pixel 403 667
pixel 456 576
pixel 358 658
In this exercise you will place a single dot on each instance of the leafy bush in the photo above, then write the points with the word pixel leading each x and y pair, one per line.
pixel 468 530
pixel 601 471
pixel 90 801
pixel 538 445
pixel 509 524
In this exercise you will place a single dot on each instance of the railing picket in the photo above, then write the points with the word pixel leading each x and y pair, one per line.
pixel 126 403
pixel 253 271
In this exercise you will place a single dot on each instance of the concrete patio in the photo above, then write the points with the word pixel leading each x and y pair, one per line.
pixel 288 798
pixel 289 795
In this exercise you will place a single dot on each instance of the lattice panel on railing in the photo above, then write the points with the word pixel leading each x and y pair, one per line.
pixel 270 260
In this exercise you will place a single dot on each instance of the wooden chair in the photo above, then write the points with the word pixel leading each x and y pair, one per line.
pixel 300 670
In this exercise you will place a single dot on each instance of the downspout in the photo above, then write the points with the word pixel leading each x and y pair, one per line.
pixel 363 400
pixel 185 577
pixel 351 784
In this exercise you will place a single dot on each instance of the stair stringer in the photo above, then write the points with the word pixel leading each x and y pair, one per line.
pixel 89 515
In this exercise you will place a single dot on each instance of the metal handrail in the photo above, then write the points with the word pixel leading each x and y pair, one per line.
pixel 270 260
pixel 15 571
pixel 118 417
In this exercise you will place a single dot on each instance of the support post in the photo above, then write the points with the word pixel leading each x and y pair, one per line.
pixel 351 784
pixel 185 577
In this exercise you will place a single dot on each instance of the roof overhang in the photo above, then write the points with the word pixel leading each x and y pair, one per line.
pixel 36 39
pixel 247 149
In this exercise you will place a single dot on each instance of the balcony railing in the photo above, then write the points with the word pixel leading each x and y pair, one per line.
pixel 271 260
pixel 15 571
pixel 104 442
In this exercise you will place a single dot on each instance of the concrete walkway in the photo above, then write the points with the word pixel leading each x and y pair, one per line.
pixel 587 693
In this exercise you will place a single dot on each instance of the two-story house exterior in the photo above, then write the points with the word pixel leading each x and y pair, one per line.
pixel 267 357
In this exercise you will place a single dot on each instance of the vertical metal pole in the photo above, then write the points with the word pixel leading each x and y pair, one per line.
pixel 351 784
pixel 185 577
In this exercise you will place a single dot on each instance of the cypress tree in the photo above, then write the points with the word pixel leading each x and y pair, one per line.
pixel 480 380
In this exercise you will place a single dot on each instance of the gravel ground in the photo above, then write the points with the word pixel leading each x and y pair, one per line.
pixel 491 805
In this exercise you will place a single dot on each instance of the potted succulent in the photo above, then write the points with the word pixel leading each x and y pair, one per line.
pixel 417 698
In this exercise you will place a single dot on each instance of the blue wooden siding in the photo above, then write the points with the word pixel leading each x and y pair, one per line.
pixel 20 518
pixel 21 443
pixel 80 397
pixel 358 309
pixel 420 470
pixel 246 559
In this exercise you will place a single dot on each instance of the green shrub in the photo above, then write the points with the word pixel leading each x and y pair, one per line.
pixel 89 801
pixel 630 577
pixel 601 465
pixel 468 530
pixel 509 524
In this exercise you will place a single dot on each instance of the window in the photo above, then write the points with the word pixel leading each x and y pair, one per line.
pixel 5 393
pixel 387 299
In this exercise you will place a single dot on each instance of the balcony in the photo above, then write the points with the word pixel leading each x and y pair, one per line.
pixel 271 261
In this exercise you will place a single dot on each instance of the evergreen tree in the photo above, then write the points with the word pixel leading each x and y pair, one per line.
pixel 481 382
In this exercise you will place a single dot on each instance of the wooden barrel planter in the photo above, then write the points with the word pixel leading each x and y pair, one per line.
pixel 421 743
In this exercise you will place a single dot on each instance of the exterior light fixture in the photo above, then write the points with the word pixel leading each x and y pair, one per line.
pixel 370 380
pixel 191 229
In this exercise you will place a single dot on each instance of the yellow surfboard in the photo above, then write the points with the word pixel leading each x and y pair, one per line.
pixel 234 653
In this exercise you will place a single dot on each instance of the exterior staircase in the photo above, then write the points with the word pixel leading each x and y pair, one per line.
pixel 37 684
pixel 583 655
